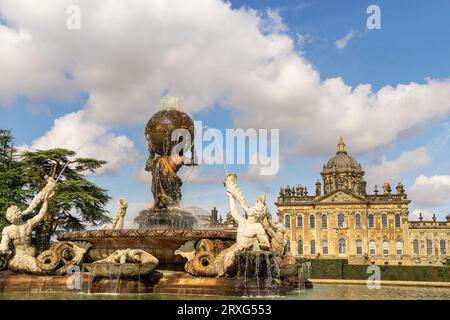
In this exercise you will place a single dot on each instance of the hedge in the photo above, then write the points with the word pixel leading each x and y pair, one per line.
pixel 340 269
pixel 327 268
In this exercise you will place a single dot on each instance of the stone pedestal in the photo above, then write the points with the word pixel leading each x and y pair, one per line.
pixel 166 218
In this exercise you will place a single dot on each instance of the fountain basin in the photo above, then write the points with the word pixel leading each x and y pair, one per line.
pixel 119 270
pixel 161 243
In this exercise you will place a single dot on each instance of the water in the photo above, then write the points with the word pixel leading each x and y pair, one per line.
pixel 304 273
pixel 258 273
pixel 320 292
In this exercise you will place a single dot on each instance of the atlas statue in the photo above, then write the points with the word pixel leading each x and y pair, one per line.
pixel 170 135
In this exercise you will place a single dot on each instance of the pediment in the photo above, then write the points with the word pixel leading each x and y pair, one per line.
pixel 341 196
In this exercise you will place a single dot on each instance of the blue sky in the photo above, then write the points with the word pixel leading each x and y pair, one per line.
pixel 412 46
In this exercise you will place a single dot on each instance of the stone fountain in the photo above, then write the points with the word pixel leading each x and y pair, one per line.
pixel 166 254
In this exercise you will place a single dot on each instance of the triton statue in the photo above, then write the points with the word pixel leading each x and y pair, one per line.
pixel 19 232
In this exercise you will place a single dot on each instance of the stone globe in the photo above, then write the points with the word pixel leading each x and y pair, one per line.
pixel 161 126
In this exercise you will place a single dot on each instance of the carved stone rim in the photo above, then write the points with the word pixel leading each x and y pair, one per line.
pixel 147 233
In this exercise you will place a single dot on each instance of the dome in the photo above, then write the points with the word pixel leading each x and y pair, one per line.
pixel 342 160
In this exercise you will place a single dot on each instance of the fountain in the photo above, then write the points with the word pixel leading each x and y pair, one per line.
pixel 167 254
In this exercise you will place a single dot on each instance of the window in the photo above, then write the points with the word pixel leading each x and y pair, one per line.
pixel 416 247
pixel 325 247
pixel 384 223
pixel 443 246
pixel 358 221
pixel 312 221
pixel 397 221
pixel 385 247
pixel 287 221
pixel 371 223
pixel 341 220
pixel 358 247
pixel 372 248
pixel 324 221
pixel 299 221
pixel 399 247
pixel 429 247
pixel 300 247
pixel 288 245
pixel 312 245
pixel 342 247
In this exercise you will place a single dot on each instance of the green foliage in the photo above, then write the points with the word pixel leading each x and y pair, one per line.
pixel 340 269
pixel 400 273
pixel 77 201
pixel 12 180
pixel 327 268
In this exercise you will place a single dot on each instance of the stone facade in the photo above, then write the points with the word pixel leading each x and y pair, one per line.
pixel 343 221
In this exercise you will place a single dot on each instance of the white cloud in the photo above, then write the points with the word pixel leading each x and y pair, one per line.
pixel 429 192
pixel 427 215
pixel 88 139
pixel 389 170
pixel 128 53
pixel 342 43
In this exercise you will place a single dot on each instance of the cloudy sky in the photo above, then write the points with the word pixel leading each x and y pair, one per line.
pixel 310 68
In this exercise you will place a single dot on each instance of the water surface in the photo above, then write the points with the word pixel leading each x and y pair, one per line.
pixel 320 292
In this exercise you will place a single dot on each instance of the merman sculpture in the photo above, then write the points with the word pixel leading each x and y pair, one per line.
pixel 256 233
pixel 17 252
pixel 23 258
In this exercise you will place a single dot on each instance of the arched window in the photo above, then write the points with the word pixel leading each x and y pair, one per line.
pixel 358 221
pixel 371 222
pixel 443 246
pixel 429 247
pixel 399 247
pixel 312 245
pixel 312 221
pixel 341 220
pixel 342 246
pixel 398 221
pixel 372 248
pixel 325 247
pixel 416 247
pixel 324 221
pixel 300 247
pixel 288 245
pixel 287 221
pixel 385 247
pixel 359 247
pixel 384 223
pixel 299 220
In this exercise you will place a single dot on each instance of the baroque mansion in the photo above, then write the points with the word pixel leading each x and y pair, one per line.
pixel 340 220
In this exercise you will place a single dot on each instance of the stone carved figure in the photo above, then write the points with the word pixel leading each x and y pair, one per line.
pixel 166 185
pixel 259 213
pixel 170 135
pixel 62 255
pixel 127 263
pixel 117 223
pixel 203 261
pixel 23 257
pixel 256 231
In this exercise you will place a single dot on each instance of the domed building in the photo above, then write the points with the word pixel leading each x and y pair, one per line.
pixel 343 172
pixel 342 221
